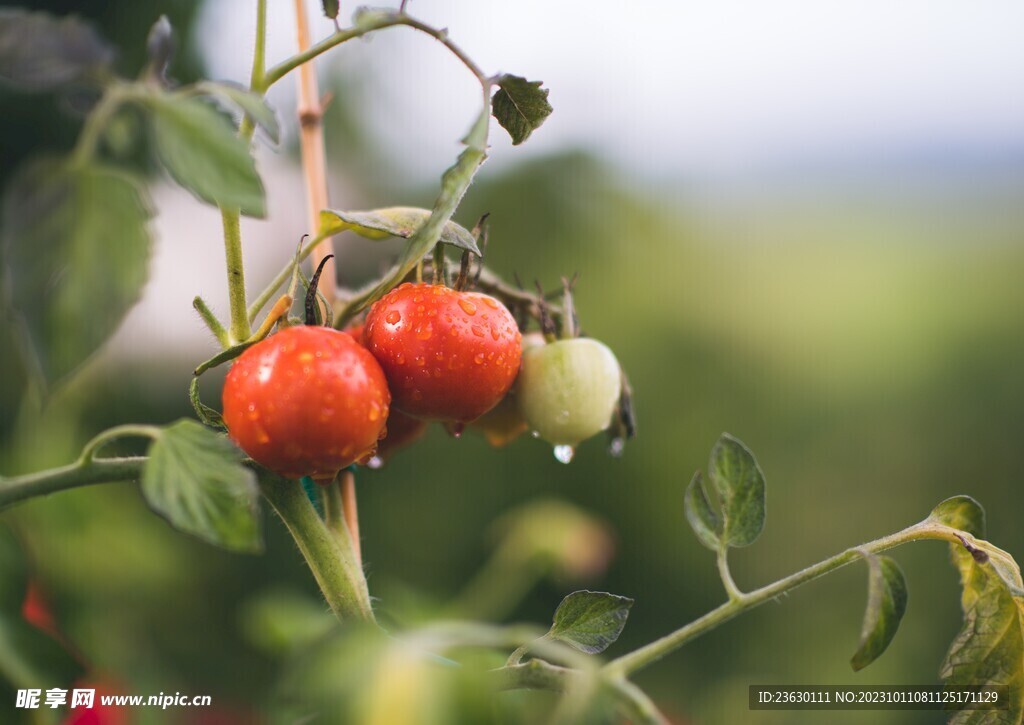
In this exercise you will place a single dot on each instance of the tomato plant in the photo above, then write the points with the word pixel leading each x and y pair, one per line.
pixel 443 340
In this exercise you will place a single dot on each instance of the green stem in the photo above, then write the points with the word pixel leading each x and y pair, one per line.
pixel 96 123
pixel 260 302
pixel 239 326
pixel 260 53
pixel 723 571
pixel 328 554
pixel 121 431
pixel 659 648
pixel 81 473
pixel 378 21
pixel 211 321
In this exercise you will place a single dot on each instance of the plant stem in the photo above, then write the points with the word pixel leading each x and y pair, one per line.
pixel 239 329
pixel 211 321
pixel 121 431
pixel 261 301
pixel 330 557
pixel 96 122
pixel 81 473
pixel 659 648
pixel 723 571
pixel 350 511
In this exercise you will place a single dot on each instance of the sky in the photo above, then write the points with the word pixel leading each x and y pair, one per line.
pixel 683 88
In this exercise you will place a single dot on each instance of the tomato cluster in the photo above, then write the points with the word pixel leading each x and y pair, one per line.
pixel 309 401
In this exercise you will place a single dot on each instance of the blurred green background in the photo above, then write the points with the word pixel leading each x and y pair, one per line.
pixel 864 338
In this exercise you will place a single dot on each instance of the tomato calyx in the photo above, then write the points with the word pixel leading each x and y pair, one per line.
pixel 311 293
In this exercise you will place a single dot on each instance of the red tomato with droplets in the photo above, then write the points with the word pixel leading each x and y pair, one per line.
pixel 307 401
pixel 447 355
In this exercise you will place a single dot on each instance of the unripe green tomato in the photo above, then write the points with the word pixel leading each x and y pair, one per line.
pixel 567 390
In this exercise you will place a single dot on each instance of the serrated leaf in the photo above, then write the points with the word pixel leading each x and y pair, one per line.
pixel 31 658
pixel 195 479
pixel 252 104
pixel 989 650
pixel 739 483
pixel 962 513
pixel 13 572
pixel 76 248
pixel 39 52
pixel 331 8
pixel 396 221
pixel 590 621
pixel 199 147
pixel 699 513
pixel 520 106
pixel 887 602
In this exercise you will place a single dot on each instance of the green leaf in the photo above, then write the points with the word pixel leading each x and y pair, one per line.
pixel 702 518
pixel 520 106
pixel 962 513
pixel 739 483
pixel 454 183
pixel 31 658
pixel 590 621
pixel 76 243
pixel 331 8
pixel 989 650
pixel 887 601
pixel 13 572
pixel 396 221
pixel 39 52
pixel 195 479
pixel 252 104
pixel 199 147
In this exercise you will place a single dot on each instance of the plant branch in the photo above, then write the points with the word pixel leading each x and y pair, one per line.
pixel 330 556
pixel 350 511
pixel 239 328
pixel 80 473
pixel 723 571
pixel 659 648
pixel 211 321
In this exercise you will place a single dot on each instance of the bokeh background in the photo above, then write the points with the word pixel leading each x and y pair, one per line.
pixel 799 223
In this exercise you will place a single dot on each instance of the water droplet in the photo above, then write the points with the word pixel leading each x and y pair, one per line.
pixel 417 395
pixel 393 317
pixel 375 463
pixel 477 330
pixel 563 416
pixel 439 355
pixel 564 454
pixel 417 298
pixel 479 358
pixel 500 360
pixel 495 333
pixel 535 433
pixel 374 412
pixel 400 359
pixel 456 429
pixel 421 361
pixel 420 309
pixel 252 407
pixel 491 302
pixel 468 307
pixel 424 331
pixel 617 446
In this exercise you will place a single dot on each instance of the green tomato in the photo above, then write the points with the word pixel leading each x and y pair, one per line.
pixel 567 390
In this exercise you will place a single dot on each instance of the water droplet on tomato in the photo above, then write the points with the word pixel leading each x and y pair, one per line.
pixel 491 302
pixel 456 429
pixel 400 359
pixel 477 330
pixel 393 317
pixel 424 331
pixel 468 307
pixel 374 412
pixel 421 361
pixel 564 454
pixel 375 463
pixel 479 358
pixel 617 446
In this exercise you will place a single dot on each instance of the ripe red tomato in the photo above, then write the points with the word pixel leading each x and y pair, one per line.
pixel 447 355
pixel 307 401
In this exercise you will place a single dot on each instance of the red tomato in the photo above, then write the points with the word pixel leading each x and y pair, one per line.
pixel 307 401
pixel 447 355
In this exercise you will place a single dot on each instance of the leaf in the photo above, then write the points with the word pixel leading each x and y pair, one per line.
pixel 520 106
pixel 13 572
pixel 252 104
pixel 739 482
pixel 76 242
pixel 454 183
pixel 39 52
pixel 195 479
pixel 699 513
pixel 989 650
pixel 962 513
pixel 331 8
pixel 590 621
pixel 887 601
pixel 199 148
pixel 31 658
pixel 397 221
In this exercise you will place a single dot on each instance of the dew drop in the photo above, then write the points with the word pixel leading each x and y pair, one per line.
pixel 535 433
pixel 400 359
pixel 393 317
pixel 479 358
pixel 564 454
pixel 491 302
pixel 456 429
pixel 495 334
pixel 375 463
pixel 417 298
pixel 477 330
pixel 468 307
pixel 374 413
pixel 424 331
pixel 617 446
pixel 421 361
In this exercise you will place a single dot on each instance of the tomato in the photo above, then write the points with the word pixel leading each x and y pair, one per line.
pixel 402 430
pixel 307 401
pixel 503 423
pixel 567 390
pixel 447 355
